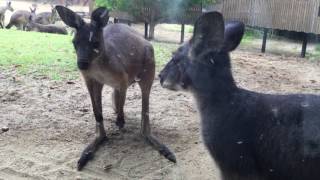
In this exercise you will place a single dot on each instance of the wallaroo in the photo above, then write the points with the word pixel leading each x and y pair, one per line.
pixel 20 18
pixel 117 56
pixel 3 10
pixel 251 136
pixel 46 18
pixel 49 28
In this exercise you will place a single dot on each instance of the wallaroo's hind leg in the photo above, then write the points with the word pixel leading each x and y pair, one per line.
pixel 95 90
pixel 145 122
pixel 19 27
pixel 119 97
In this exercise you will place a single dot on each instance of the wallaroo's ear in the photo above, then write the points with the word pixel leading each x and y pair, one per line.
pixel 9 3
pixel 233 34
pixel 69 17
pixel 208 34
pixel 100 17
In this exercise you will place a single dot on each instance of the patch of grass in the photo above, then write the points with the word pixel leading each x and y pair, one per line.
pixel 51 55
pixel 38 54
pixel 315 55
pixel 177 28
pixel 163 52
pixel 251 34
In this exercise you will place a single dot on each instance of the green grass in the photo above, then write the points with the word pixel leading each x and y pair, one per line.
pixel 37 54
pixel 50 55
pixel 251 34
pixel 177 28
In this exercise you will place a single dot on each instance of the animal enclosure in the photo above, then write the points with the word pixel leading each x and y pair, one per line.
pixel 289 15
pixel 46 116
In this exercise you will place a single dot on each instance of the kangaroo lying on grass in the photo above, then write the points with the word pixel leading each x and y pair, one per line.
pixel 3 10
pixel 50 28
pixel 114 55
pixel 251 136
pixel 20 18
pixel 46 18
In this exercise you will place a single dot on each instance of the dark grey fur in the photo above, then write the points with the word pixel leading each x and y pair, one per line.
pixel 251 136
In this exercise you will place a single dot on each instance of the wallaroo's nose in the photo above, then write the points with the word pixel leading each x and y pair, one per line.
pixel 161 78
pixel 83 64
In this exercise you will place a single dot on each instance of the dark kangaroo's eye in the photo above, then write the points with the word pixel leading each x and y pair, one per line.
pixel 95 44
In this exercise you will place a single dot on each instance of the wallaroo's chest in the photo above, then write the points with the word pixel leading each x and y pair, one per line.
pixel 106 72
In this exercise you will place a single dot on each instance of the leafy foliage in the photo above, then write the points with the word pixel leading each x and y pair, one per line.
pixel 164 5
pixel 154 11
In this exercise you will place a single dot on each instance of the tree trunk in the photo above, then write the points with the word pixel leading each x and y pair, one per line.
pixel 91 6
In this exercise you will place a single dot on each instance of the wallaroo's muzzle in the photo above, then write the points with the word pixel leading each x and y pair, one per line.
pixel 83 64
pixel 161 78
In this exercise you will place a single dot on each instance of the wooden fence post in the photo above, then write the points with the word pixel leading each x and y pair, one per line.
pixel 182 33
pixel 304 45
pixel 264 41
pixel 146 25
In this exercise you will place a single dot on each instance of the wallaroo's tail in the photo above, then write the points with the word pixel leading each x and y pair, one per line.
pixel 8 26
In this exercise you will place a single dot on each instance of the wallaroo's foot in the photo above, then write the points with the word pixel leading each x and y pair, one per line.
pixel 85 157
pixel 163 149
pixel 168 154
pixel 89 151
pixel 120 122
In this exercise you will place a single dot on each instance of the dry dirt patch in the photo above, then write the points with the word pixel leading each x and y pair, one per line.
pixel 50 123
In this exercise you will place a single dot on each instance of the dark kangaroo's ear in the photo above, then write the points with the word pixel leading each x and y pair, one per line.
pixel 208 34
pixel 100 17
pixel 234 31
pixel 69 17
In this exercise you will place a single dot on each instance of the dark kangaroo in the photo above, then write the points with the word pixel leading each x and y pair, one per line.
pixel 20 18
pixel 50 28
pixel 250 135
pixel 117 56
pixel 3 10
pixel 46 18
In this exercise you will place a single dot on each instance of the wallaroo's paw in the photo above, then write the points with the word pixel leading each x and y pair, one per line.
pixel 85 157
pixel 168 154
pixel 120 122
pixel 88 153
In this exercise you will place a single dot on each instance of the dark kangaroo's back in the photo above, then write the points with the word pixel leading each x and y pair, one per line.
pixel 251 136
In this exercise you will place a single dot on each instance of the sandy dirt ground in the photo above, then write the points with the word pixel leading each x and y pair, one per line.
pixel 50 123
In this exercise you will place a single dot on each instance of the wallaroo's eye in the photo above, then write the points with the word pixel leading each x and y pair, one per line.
pixel 95 44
